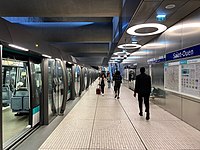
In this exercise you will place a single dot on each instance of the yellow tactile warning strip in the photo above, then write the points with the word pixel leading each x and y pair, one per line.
pixel 103 123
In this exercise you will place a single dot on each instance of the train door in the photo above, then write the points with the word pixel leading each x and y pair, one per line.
pixel 77 80
pixel 82 83
pixel 21 91
pixel 86 78
pixel 55 84
pixel 36 87
pixel 1 95
pixel 15 98
pixel 69 76
pixel 52 107
pixel 58 85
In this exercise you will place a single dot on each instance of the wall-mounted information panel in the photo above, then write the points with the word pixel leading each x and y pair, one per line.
pixel 190 77
pixel 183 77
pixel 171 77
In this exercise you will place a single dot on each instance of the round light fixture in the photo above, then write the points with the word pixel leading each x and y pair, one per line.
pixel 129 46
pixel 134 42
pixel 160 28
pixel 119 53
pixel 170 6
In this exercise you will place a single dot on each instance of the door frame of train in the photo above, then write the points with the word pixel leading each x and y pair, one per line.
pixel 65 88
pixel 1 121
pixel 34 109
pixel 45 120
pixel 29 57
pixel 69 67
pixel 73 93
pixel 63 100
pixel 44 103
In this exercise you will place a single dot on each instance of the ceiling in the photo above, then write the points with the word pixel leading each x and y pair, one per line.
pixel 81 28
pixel 84 28
pixel 146 13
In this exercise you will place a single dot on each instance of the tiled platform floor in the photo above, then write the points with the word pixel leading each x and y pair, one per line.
pixel 104 123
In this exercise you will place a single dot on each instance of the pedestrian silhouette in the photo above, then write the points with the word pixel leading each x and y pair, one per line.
pixel 117 78
pixel 143 88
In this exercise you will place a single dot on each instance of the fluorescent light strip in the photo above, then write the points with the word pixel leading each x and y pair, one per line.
pixel 18 47
pixel 44 55
pixel 138 53
pixel 160 27
pixel 129 46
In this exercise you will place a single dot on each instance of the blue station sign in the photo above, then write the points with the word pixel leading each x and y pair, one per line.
pixel 188 52
pixel 156 60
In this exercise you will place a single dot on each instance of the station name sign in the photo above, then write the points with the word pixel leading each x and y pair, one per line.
pixel 183 54
pixel 156 60
pixel 188 52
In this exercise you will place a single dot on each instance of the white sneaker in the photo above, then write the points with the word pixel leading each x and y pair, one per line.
pixel 102 94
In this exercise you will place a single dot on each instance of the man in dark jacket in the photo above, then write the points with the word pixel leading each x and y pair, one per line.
pixel 117 78
pixel 143 88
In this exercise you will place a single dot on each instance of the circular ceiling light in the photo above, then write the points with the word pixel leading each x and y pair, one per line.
pixel 159 28
pixel 170 6
pixel 134 42
pixel 119 53
pixel 129 46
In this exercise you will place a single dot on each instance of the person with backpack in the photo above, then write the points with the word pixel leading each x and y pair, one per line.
pixel 117 78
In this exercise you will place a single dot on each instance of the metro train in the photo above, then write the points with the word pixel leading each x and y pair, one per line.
pixel 35 89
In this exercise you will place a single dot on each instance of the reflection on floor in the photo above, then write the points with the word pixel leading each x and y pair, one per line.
pixel 12 125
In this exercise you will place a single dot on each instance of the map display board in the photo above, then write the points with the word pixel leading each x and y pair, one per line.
pixel 183 77
pixel 171 77
pixel 190 79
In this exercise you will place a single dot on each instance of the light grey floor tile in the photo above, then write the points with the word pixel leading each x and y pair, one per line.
pixel 70 134
pixel 103 123
pixel 107 113
pixel 168 135
pixel 116 135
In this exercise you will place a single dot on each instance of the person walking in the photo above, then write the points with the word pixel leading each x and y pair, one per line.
pixel 117 78
pixel 108 80
pixel 102 83
pixel 143 88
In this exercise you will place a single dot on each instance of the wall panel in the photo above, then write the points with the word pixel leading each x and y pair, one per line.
pixel 184 34
pixel 191 112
